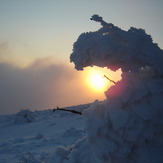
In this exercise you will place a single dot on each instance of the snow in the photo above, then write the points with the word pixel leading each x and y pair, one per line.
pixel 24 116
pixel 127 127
pixel 36 141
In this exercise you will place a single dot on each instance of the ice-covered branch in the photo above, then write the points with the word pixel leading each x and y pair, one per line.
pixel 110 79
pixel 72 111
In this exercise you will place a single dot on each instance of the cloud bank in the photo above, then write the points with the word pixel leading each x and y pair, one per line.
pixel 41 85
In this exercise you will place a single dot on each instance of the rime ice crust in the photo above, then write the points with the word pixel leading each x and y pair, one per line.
pixel 115 48
pixel 128 126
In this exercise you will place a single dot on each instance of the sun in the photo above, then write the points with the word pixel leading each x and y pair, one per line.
pixel 99 80
pixel 96 81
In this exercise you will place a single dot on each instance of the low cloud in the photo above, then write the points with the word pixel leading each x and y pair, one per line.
pixel 41 85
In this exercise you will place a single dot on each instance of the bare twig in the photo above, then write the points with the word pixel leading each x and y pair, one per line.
pixel 110 79
pixel 72 111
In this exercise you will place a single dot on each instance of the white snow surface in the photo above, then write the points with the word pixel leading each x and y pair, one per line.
pixel 34 137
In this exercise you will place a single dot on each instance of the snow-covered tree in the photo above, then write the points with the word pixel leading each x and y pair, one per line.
pixel 128 126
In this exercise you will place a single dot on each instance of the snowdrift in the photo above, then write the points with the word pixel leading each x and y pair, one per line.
pixel 24 116
pixel 128 125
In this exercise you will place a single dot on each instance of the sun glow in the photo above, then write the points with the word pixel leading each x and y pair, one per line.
pixel 96 80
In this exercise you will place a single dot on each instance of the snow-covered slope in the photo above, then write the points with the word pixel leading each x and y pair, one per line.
pixel 34 136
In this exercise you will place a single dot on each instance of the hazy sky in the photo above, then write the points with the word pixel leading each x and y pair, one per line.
pixel 36 40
